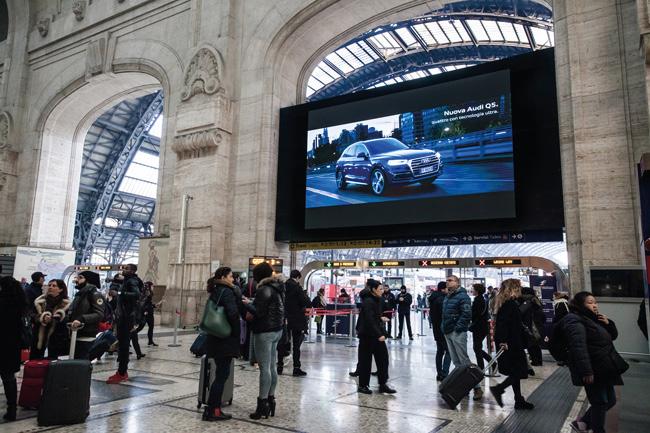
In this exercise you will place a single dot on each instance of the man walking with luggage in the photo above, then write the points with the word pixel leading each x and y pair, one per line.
pixel 127 300
pixel 456 317
pixel 295 304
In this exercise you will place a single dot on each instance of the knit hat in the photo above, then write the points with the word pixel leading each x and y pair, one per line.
pixel 91 278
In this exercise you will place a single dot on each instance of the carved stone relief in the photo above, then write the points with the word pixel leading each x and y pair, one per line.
pixel 5 129
pixel 79 9
pixel 202 75
pixel 43 26
pixel 197 144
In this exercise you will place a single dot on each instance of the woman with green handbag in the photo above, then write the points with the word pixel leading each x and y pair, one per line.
pixel 268 322
pixel 221 323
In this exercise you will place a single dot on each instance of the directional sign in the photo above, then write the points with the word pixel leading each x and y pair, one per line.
pixel 497 262
pixel 385 263
pixel 348 264
pixel 433 263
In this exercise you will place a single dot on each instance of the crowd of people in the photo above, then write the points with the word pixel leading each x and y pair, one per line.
pixel 41 319
pixel 273 312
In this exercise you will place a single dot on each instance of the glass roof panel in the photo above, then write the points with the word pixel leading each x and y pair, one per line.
pixel 551 37
pixel 314 83
pixel 541 37
pixel 437 33
pixel 477 28
pixel 421 30
pixel 460 28
pixel 331 72
pixel 337 61
pixel 508 31
pixel 368 50
pixel 492 30
pixel 142 172
pixel 156 128
pixel 386 44
pixel 147 159
pixel 322 76
pixel 360 53
pixel 450 31
pixel 406 36
pixel 521 33
pixel 350 58
pixel 435 71
pixel 138 187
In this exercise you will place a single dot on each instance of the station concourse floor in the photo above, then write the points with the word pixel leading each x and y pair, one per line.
pixel 161 397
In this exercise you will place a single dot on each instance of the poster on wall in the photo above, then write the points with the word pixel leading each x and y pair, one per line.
pixel 544 288
pixel 51 262
pixel 153 260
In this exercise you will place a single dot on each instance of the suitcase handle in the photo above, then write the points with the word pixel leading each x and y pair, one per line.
pixel 73 339
pixel 494 359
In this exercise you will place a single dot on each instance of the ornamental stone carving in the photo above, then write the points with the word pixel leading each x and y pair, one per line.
pixel 197 144
pixel 79 9
pixel 202 75
pixel 43 26
pixel 5 129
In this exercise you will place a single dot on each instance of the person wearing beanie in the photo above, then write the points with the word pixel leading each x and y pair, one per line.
pixel 87 309
pixel 268 322
pixel 127 309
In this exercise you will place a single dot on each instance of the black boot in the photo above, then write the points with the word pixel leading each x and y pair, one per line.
pixel 11 413
pixel 262 409
pixel 272 405
pixel 215 414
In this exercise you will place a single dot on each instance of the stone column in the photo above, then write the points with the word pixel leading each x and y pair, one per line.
pixel 603 117
pixel 202 146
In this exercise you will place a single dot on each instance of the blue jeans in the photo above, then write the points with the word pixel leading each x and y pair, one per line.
pixel 602 398
pixel 457 345
pixel 266 347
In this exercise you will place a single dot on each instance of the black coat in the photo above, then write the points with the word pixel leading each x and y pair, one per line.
pixel 268 306
pixel 509 329
pixel 590 344
pixel 296 302
pixel 404 307
pixel 480 316
pixel 13 304
pixel 129 294
pixel 388 303
pixel 370 324
pixel 225 296
pixel 436 300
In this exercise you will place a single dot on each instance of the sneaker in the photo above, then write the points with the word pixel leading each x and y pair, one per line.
pixel 524 405
pixel 478 394
pixel 117 378
pixel 497 393
pixel 385 389
pixel 579 426
pixel 297 372
pixel 364 390
pixel 140 356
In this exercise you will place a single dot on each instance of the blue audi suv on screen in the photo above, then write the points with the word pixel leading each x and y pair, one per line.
pixel 384 162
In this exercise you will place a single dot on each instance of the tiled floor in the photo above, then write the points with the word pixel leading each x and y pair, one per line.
pixel 161 397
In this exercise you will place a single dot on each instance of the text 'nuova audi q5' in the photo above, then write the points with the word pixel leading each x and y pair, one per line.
pixel 386 162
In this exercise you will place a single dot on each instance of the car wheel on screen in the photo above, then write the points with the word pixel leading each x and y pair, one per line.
pixel 340 180
pixel 378 182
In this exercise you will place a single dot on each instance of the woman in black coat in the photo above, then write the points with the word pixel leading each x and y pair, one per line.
pixel 222 350
pixel 593 360
pixel 12 307
pixel 509 336
pixel 480 326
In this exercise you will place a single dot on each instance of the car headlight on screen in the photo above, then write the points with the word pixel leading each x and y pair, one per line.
pixel 394 162
pixel 438 155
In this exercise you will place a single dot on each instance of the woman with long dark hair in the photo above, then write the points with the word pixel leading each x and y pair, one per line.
pixel 593 360
pixel 12 307
pixel 222 350
pixel 509 335
pixel 51 332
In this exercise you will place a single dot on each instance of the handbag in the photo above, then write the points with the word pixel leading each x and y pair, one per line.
pixel 620 365
pixel 214 321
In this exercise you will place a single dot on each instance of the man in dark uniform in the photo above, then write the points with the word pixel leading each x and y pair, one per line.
pixel 404 301
pixel 296 302
pixel 127 304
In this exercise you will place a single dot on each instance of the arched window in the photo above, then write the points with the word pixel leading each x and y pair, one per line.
pixel 457 36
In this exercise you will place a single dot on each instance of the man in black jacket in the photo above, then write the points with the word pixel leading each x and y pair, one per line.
pixel 127 305
pixel 388 306
pixel 295 304
pixel 34 290
pixel 372 340
pixel 443 359
pixel 87 309
pixel 404 301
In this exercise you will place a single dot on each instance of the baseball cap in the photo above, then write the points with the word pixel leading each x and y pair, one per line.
pixel 37 276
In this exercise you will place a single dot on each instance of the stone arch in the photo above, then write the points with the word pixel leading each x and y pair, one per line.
pixel 63 125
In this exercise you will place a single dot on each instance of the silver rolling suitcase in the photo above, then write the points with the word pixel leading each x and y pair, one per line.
pixel 206 377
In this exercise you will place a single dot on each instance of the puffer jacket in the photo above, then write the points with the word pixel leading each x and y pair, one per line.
pixel 268 306
pixel 456 312
pixel 88 308
pixel 591 347
pixel 369 324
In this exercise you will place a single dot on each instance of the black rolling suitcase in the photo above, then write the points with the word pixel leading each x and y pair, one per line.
pixel 462 380
pixel 66 393
pixel 206 377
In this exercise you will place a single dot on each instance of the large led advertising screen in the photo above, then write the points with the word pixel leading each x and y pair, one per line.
pixel 450 141
pixel 470 151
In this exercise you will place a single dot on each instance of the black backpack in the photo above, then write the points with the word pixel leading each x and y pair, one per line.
pixel 557 344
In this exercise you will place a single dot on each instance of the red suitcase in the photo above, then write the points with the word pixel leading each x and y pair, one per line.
pixel 33 381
